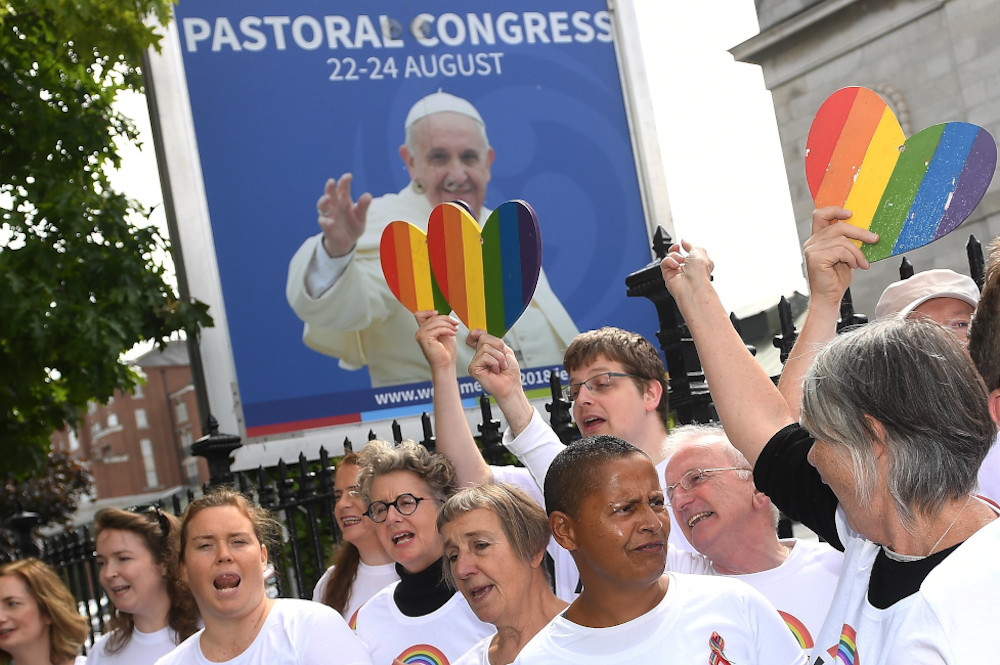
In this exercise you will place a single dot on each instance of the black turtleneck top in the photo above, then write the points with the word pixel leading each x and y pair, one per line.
pixel 421 593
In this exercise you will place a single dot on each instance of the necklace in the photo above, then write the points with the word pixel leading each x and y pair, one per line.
pixel 957 515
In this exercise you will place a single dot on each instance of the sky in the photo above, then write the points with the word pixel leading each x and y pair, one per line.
pixel 719 143
pixel 717 137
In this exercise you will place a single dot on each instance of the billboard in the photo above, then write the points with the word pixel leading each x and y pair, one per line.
pixel 279 97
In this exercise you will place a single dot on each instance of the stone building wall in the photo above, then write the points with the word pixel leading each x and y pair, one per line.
pixel 933 60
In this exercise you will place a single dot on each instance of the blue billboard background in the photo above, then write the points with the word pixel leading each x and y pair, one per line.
pixel 287 94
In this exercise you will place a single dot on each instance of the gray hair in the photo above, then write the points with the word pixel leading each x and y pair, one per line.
pixel 378 458
pixel 524 523
pixel 912 378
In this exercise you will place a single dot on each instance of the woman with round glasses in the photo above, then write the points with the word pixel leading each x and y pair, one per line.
pixel 362 566
pixel 152 611
pixel 420 617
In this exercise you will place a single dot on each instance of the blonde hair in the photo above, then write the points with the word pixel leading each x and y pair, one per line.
pixel 68 629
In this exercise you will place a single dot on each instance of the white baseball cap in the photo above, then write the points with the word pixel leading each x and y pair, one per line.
pixel 904 296
pixel 439 101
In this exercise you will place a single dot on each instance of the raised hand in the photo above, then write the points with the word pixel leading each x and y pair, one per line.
pixel 833 254
pixel 341 219
pixel 436 337
pixel 686 267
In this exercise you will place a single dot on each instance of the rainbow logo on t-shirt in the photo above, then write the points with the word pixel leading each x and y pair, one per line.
pixel 847 652
pixel 353 623
pixel 423 654
pixel 798 629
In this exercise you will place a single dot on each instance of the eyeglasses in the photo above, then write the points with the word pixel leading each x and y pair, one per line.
pixel 595 384
pixel 696 477
pixel 152 509
pixel 405 504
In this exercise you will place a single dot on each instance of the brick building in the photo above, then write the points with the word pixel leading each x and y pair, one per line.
pixel 933 61
pixel 137 444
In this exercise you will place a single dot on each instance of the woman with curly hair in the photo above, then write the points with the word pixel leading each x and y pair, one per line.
pixel 153 611
pixel 39 620
pixel 419 617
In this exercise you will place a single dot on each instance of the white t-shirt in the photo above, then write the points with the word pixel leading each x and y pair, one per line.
pixel 538 445
pixel 368 581
pixel 477 655
pixel 989 474
pixel 295 632
pixel 141 648
pixel 949 620
pixel 440 637
pixel 698 617
pixel 801 588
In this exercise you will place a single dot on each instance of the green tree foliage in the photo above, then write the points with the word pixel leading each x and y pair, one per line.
pixel 80 282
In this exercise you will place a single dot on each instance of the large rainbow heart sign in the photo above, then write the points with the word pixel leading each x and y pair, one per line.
pixel 407 268
pixel 488 276
pixel 909 191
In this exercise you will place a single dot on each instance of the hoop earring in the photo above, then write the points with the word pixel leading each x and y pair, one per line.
pixel 418 186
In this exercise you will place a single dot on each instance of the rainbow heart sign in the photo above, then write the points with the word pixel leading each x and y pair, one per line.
pixel 911 191
pixel 487 275
pixel 407 268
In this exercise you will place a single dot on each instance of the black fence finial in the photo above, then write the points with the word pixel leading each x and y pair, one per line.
pixel 217 449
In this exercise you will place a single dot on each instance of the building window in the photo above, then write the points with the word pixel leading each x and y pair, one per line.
pixel 149 461
pixel 95 429
pixel 182 411
pixel 191 471
pixel 140 419
pixel 74 443
pixel 137 393
pixel 112 419
pixel 91 407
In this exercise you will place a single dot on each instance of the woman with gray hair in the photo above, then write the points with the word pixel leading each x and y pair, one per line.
pixel 894 426
pixel 419 618
pixel 494 543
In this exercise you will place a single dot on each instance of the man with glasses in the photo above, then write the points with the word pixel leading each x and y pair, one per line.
pixel 617 385
pixel 709 486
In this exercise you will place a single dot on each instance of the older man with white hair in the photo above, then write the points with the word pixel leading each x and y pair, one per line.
pixel 335 282
pixel 709 486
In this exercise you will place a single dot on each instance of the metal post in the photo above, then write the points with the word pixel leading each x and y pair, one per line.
pixel 216 448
